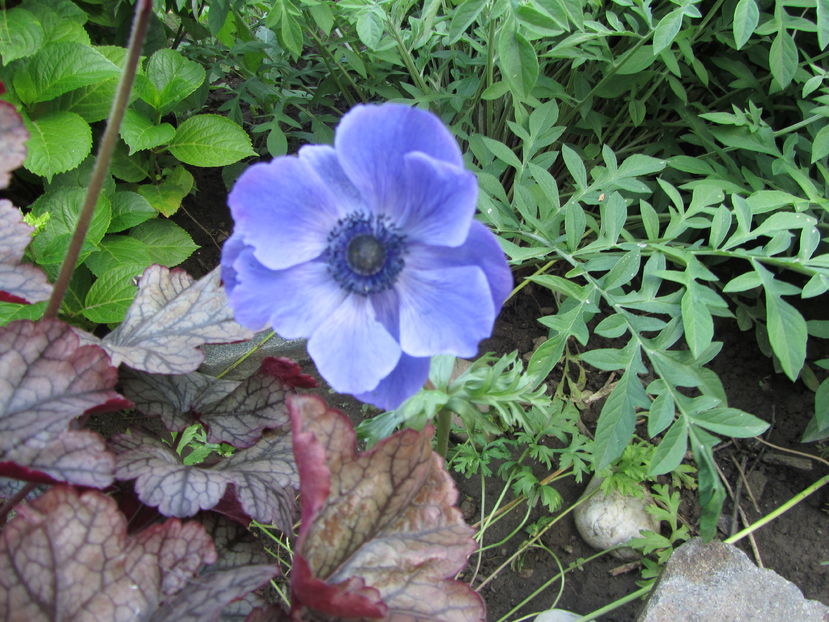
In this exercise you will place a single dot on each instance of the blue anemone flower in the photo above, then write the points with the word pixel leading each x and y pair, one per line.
pixel 369 250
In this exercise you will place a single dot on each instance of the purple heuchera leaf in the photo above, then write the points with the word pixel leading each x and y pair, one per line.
pixel 379 536
pixel 261 478
pixel 368 249
pixel 66 556
pixel 233 411
pixel 203 600
pixel 48 380
pixel 23 282
pixel 171 316
pixel 13 137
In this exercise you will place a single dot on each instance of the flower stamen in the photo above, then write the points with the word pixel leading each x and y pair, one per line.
pixel 365 253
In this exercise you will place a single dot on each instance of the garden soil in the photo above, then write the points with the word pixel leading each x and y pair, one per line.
pixel 793 545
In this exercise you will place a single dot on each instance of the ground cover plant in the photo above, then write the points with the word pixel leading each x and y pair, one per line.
pixel 657 170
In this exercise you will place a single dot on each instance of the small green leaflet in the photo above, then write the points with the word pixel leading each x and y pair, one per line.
pixel 783 58
pixel 517 60
pixel 617 419
pixel 746 17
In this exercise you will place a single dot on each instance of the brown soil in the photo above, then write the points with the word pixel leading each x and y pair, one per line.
pixel 794 545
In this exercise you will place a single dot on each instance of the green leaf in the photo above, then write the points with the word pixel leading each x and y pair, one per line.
pixel 210 140
pixel 787 334
pixel 606 359
pixel 21 34
pixel 661 413
pixel 667 29
pixel 820 144
pixel 617 420
pixel 64 206
pixel 129 209
pixel 711 490
pixel 670 452
pixel 140 133
pixel 612 326
pixel 696 320
pixel 58 142
pixel 167 196
pixel 785 326
pixel 818 427
pixel 370 26
pixel 517 60
pixel 783 58
pixel 639 164
pixel 13 311
pixel 93 102
pixel 170 78
pixel 575 166
pixel 823 23
pixel 746 17
pixel 462 17
pixel 110 296
pixel 502 152
pixel 132 169
pixel 731 422
pixel 61 67
pixel 624 270
pixel 744 282
pixel 119 251
pixel 166 242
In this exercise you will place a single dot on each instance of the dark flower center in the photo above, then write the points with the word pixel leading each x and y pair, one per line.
pixel 365 253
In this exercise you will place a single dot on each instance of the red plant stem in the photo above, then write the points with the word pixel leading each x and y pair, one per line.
pixel 143 10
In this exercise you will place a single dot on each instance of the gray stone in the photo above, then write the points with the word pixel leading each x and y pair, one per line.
pixel 716 582
pixel 219 357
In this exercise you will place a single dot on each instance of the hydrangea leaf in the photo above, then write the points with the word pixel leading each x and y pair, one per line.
pixel 140 133
pixel 234 411
pixel 59 141
pixel 171 316
pixel 13 137
pixel 210 140
pixel 380 536
pixel 60 67
pixel 256 477
pixel 49 379
pixel 21 280
pixel 21 34
pixel 66 555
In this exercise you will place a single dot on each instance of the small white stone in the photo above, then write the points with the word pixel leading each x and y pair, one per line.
pixel 557 615
pixel 607 520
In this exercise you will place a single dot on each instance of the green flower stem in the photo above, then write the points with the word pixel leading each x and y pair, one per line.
pixel 579 563
pixel 444 418
pixel 246 355
pixel 778 511
pixel 143 11
pixel 616 604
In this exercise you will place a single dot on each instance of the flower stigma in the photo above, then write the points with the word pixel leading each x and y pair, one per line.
pixel 365 253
